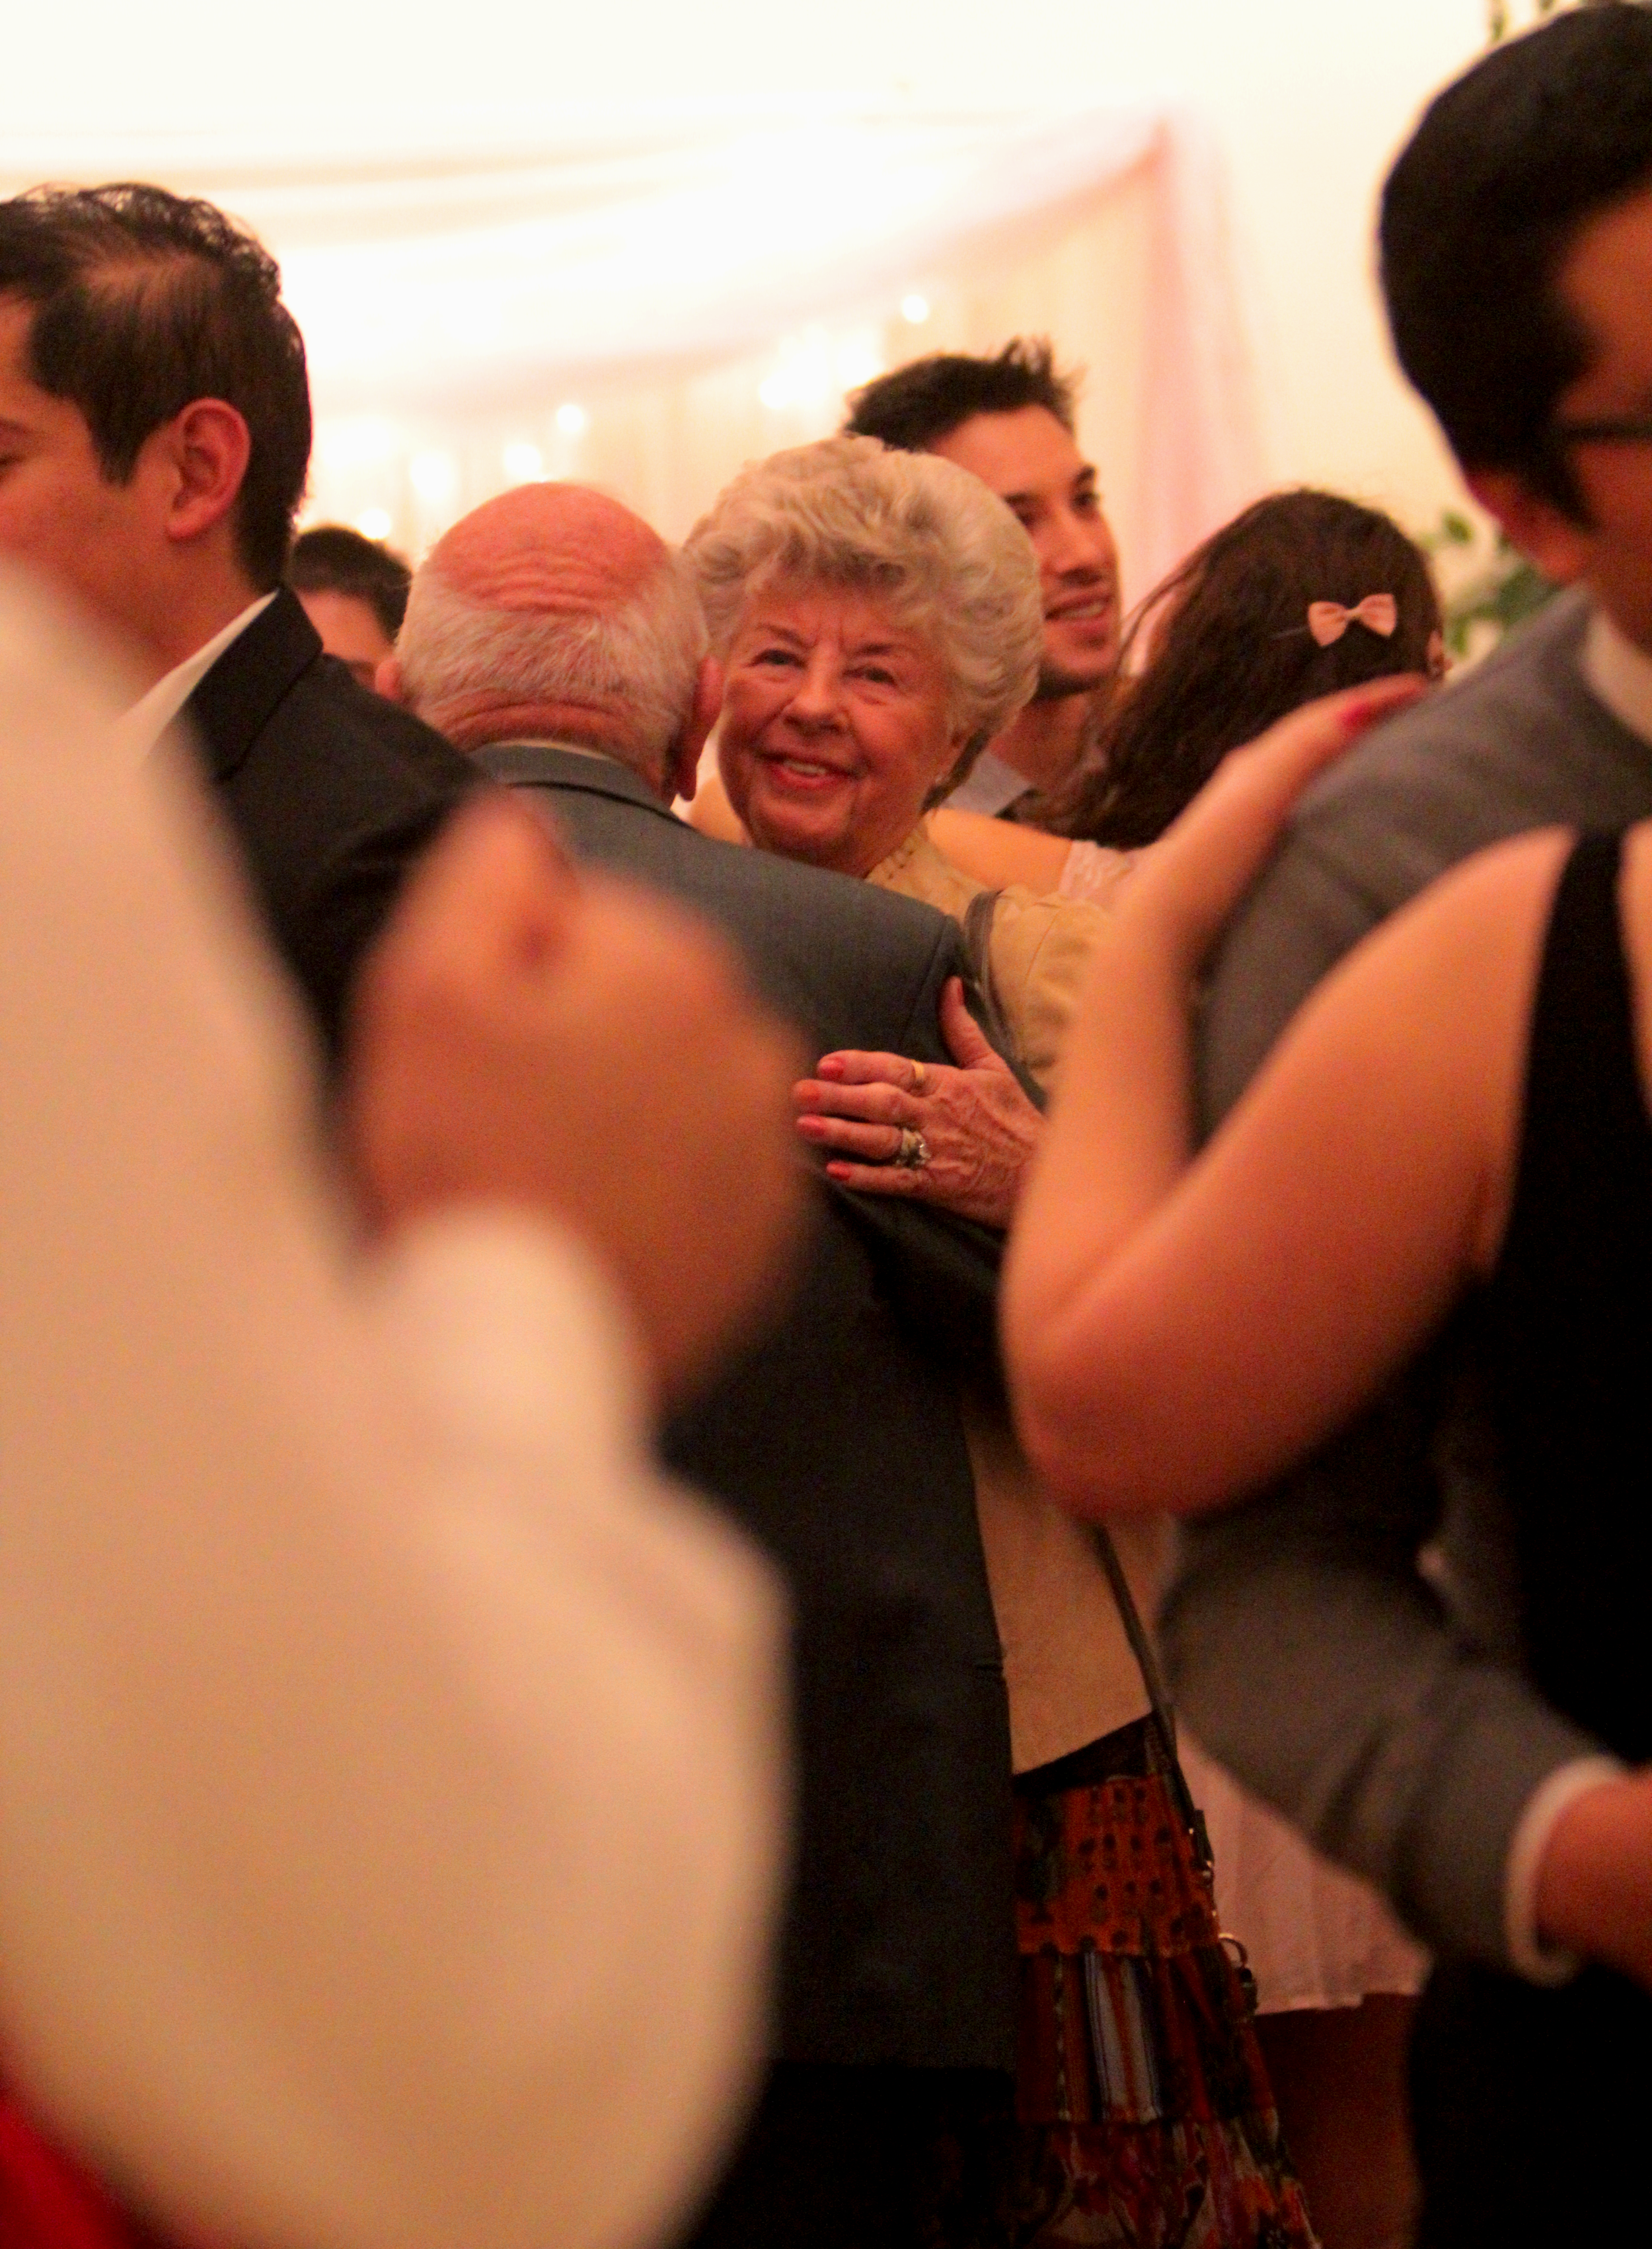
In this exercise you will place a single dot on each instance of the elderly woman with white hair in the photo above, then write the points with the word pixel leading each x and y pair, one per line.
pixel 878 618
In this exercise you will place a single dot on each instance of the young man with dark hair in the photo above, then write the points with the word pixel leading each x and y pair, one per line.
pixel 155 436
pixel 353 591
pixel 926 400
pixel 1395 1724
pixel 1010 420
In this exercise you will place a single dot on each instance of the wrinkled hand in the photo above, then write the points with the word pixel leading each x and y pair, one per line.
pixel 979 1126
pixel 524 1035
pixel 1187 884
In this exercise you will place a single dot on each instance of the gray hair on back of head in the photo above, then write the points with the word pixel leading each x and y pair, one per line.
pixel 636 664
pixel 914 531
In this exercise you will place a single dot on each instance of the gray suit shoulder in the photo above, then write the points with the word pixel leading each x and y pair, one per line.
pixel 852 965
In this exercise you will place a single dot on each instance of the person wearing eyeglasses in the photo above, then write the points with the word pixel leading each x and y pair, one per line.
pixel 1346 1638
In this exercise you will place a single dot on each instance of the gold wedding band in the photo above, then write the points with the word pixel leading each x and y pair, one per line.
pixel 920 1077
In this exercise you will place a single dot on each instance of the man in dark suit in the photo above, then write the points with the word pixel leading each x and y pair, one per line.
pixel 554 635
pixel 154 436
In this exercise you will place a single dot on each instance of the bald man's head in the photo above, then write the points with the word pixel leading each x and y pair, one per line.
pixel 553 613
pixel 550 550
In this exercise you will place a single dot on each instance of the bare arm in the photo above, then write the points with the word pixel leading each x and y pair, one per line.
pixel 1172 1348
pixel 997 852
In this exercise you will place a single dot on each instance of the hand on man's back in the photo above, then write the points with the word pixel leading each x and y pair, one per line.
pixel 525 1035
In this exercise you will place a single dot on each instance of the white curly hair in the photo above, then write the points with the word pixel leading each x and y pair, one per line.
pixel 910 530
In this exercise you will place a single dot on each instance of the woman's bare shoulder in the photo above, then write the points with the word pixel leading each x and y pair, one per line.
pixel 998 853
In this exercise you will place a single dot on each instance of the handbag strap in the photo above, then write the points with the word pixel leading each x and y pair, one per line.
pixel 1153 1679
pixel 1164 1720
pixel 978 948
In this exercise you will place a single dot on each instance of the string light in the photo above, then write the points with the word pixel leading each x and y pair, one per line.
pixel 373 523
pixel 572 420
pixel 914 310
pixel 524 463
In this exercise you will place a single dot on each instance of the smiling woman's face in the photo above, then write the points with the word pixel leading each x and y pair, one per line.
pixel 834 726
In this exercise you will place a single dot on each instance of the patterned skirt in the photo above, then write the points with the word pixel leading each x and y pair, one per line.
pixel 1144 2114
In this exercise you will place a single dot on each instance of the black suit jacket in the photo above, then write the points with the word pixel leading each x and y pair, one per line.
pixel 332 792
pixel 837 1441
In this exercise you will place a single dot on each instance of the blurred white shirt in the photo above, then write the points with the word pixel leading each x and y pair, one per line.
pixel 390 1796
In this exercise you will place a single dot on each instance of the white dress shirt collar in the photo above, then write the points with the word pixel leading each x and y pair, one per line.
pixel 1619 674
pixel 141 727
pixel 992 788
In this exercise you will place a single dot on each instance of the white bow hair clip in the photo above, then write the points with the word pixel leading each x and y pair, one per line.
pixel 1378 613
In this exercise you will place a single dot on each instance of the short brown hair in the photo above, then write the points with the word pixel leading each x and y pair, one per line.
pixel 332 559
pixel 143 301
pixel 926 401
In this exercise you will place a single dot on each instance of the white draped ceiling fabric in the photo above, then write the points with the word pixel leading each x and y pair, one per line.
pixel 644 299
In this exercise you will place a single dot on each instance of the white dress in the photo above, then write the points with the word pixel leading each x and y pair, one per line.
pixel 1315 1935
pixel 1094 871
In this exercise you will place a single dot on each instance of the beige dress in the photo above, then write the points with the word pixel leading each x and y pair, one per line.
pixel 1040 945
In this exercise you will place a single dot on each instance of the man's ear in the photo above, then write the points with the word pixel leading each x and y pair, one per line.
pixel 682 759
pixel 1560 547
pixel 387 682
pixel 203 452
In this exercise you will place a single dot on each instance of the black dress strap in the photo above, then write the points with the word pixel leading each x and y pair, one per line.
pixel 1585 1127
pixel 1571 1313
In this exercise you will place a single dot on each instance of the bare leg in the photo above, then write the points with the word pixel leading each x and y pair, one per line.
pixel 1339 2077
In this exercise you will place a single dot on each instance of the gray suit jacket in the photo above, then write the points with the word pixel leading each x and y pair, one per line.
pixel 837 1441
pixel 1394 1726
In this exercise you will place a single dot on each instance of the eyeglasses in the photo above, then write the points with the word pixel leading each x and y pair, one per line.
pixel 1625 429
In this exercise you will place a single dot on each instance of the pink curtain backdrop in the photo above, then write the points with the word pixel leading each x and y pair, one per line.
pixel 455 286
